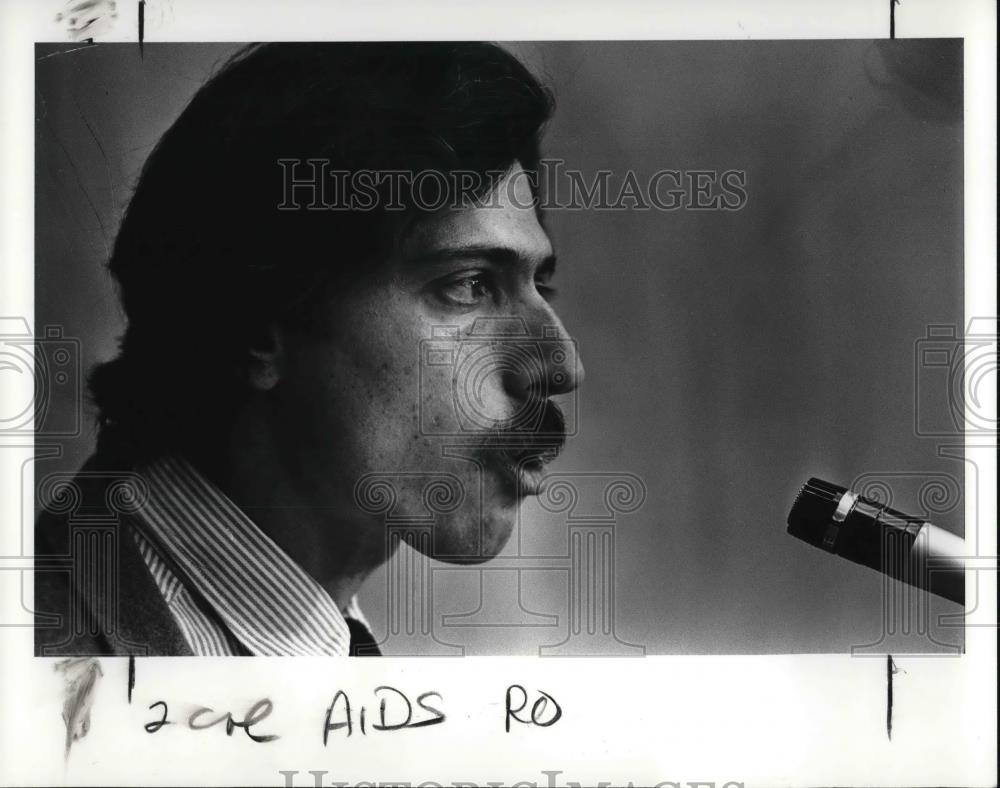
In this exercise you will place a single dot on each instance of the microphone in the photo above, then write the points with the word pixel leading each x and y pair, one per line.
pixel 866 532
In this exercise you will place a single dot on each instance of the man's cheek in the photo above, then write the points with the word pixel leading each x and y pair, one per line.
pixel 435 412
pixel 459 400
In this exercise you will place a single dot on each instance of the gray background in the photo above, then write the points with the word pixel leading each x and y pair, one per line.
pixel 729 355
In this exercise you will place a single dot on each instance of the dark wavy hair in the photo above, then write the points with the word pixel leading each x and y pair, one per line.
pixel 204 258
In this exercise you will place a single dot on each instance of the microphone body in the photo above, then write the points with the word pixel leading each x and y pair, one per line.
pixel 866 532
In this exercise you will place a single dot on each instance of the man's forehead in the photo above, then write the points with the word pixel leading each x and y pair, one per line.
pixel 507 220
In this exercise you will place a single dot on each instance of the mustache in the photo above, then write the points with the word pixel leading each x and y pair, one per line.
pixel 543 440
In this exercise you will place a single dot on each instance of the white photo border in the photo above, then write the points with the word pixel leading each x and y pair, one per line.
pixel 779 720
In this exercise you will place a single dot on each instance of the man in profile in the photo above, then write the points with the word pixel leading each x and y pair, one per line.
pixel 273 359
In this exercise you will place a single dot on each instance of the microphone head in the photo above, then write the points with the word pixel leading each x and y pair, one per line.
pixel 813 510
pixel 862 530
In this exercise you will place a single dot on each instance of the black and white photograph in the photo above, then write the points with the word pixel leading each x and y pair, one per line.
pixel 527 347
pixel 604 358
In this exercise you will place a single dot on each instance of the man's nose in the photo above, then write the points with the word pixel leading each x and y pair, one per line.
pixel 545 364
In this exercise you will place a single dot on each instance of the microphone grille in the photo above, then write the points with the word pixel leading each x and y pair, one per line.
pixel 813 510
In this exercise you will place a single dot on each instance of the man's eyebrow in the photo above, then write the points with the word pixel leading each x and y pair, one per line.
pixel 498 255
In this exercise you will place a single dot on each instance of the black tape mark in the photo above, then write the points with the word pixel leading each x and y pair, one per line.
pixel 80 677
pixel 890 669
pixel 142 24
pixel 892 18
pixel 131 676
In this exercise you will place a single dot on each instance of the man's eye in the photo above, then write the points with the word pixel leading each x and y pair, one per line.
pixel 545 289
pixel 468 291
pixel 543 284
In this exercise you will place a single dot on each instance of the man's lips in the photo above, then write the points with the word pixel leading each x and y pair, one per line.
pixel 543 441
pixel 524 453
pixel 524 449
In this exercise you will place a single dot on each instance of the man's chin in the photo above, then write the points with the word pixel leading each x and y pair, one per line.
pixel 463 560
pixel 461 542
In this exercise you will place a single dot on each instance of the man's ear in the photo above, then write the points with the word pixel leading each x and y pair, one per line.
pixel 265 357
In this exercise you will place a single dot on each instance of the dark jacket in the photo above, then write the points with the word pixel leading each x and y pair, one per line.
pixel 93 592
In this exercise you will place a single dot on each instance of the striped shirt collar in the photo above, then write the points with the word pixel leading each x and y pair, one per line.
pixel 267 601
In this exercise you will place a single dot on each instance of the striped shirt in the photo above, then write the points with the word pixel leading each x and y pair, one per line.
pixel 230 588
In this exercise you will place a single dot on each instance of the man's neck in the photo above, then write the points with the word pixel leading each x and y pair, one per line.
pixel 299 509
